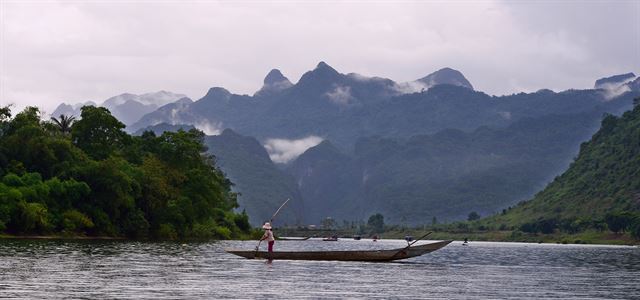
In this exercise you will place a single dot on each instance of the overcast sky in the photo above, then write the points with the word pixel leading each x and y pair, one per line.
pixel 75 51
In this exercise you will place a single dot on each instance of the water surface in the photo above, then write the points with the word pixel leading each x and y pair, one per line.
pixel 123 269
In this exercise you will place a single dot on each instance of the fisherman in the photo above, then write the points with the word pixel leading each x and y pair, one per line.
pixel 268 235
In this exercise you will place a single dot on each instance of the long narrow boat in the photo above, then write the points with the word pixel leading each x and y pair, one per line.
pixel 357 255
pixel 291 238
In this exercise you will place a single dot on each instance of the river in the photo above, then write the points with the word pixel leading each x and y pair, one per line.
pixel 49 269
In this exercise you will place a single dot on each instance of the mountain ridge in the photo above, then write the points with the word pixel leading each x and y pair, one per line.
pixel 127 107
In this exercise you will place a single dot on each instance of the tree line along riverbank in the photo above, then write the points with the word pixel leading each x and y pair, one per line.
pixel 88 178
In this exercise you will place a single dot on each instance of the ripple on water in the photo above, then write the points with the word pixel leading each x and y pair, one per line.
pixel 120 269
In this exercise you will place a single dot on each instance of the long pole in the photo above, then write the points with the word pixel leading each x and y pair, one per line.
pixel 277 211
pixel 424 236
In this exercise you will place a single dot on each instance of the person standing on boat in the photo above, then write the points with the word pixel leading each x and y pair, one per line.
pixel 268 235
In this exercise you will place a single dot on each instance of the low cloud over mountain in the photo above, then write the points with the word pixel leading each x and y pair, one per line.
pixel 285 150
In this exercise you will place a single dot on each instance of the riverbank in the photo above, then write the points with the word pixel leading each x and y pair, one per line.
pixel 58 237
pixel 586 237
pixel 254 235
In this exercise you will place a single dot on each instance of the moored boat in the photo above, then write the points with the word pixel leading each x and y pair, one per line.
pixel 292 238
pixel 355 255
pixel 333 238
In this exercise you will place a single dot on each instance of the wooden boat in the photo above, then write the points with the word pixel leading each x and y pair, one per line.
pixel 357 255
pixel 292 238
pixel 330 239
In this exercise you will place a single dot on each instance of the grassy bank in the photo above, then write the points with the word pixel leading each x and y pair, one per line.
pixel 586 237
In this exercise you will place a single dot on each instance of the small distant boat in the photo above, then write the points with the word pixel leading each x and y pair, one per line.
pixel 293 238
pixel 357 255
pixel 357 237
pixel 331 239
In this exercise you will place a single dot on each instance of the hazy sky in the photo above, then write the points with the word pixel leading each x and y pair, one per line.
pixel 75 51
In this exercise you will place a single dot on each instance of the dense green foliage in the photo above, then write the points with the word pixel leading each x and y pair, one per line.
pixel 473 216
pixel 89 177
pixel 600 190
pixel 376 223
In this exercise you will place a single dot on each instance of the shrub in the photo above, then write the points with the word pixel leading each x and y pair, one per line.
pixel 75 221
pixel 167 231
pixel 222 232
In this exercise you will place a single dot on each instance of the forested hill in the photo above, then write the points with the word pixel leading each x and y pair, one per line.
pixel 601 186
pixel 261 185
pixel 89 177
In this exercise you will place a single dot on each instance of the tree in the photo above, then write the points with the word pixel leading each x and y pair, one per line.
pixel 64 123
pixel 98 133
pixel 618 222
pixel 5 116
pixel 183 148
pixel 328 223
pixel 635 227
pixel 376 223
pixel 473 216
pixel 102 181
pixel 33 217
pixel 29 117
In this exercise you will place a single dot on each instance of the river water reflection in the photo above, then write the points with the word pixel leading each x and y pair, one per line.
pixel 49 269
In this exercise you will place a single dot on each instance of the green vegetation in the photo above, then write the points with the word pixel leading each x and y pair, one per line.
pixel 597 200
pixel 473 216
pixel 599 192
pixel 90 178
pixel 376 223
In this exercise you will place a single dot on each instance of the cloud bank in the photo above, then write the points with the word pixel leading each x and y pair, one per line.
pixel 285 150
pixel 209 128
pixel 340 95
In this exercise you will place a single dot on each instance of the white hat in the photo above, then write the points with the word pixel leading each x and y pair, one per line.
pixel 266 225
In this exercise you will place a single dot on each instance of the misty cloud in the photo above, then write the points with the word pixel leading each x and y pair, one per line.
pixel 505 114
pixel 612 90
pixel 209 128
pixel 285 150
pixel 340 95
pixel 410 87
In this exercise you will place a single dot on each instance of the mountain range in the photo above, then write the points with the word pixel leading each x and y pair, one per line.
pixel 433 147
pixel 128 108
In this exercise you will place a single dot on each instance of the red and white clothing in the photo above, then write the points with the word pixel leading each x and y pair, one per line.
pixel 268 235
